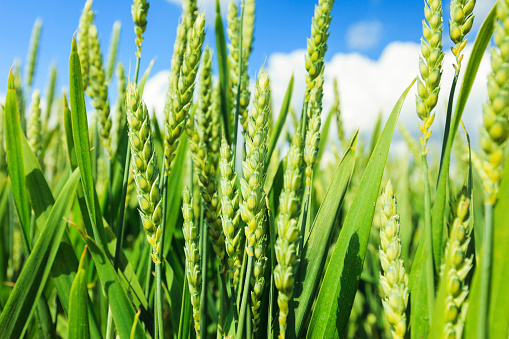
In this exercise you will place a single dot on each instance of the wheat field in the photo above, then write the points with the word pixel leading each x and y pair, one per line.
pixel 227 219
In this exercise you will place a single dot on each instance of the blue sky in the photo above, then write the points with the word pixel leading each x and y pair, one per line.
pixel 373 49
pixel 281 26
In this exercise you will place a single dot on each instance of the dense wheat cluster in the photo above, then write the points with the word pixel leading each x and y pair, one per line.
pixel 235 218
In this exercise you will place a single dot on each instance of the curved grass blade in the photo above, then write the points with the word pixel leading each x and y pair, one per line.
pixel 121 308
pixel 30 284
pixel 335 299
pixel 14 152
pixel 80 128
pixel 278 127
pixel 66 263
pixel 316 244
pixel 78 313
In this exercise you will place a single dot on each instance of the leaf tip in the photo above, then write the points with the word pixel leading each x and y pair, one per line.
pixel 10 82
pixel 74 46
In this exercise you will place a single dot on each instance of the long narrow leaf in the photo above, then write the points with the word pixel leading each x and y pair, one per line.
pixel 78 313
pixel 315 246
pixel 80 128
pixel 33 277
pixel 15 159
pixel 339 285
pixel 222 61
pixel 121 308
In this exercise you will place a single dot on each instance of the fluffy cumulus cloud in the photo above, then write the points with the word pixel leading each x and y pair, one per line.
pixel 367 87
pixel 364 35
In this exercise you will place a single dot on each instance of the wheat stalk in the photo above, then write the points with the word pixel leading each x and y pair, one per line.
pixel 32 53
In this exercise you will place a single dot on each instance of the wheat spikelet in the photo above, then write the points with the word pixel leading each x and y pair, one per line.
pixel 98 89
pixel 199 143
pixel 86 19
pixel 230 207
pixel 317 44
pixel 288 231
pixel 394 280
pixel 460 24
pixel 495 131
pixel 32 53
pixel 139 11
pixel 181 96
pixel 252 207
pixel 430 67
pixel 313 128
pixel 145 171
pixel 34 126
pixel 50 93
pixel 457 266
pixel 192 253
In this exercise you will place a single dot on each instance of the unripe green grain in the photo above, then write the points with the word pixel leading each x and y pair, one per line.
pixel 32 53
pixel 145 168
pixel 192 253
pixel 317 44
pixel 394 280
pixel 50 93
pixel 199 133
pixel 495 130
pixel 139 11
pixel 457 267
pixel 180 98
pixel 313 128
pixel 248 28
pixel 252 207
pixel 98 89
pixel 34 132
pixel 113 49
pixel 86 19
pixel 460 24
pixel 430 67
pixel 120 116
pixel 288 231
pixel 230 214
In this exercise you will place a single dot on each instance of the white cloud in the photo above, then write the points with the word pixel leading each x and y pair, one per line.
pixel 364 35
pixel 367 87
pixel 481 10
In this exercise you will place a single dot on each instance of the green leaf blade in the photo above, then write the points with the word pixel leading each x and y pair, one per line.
pixel 315 245
pixel 335 299
pixel 14 150
pixel 78 311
